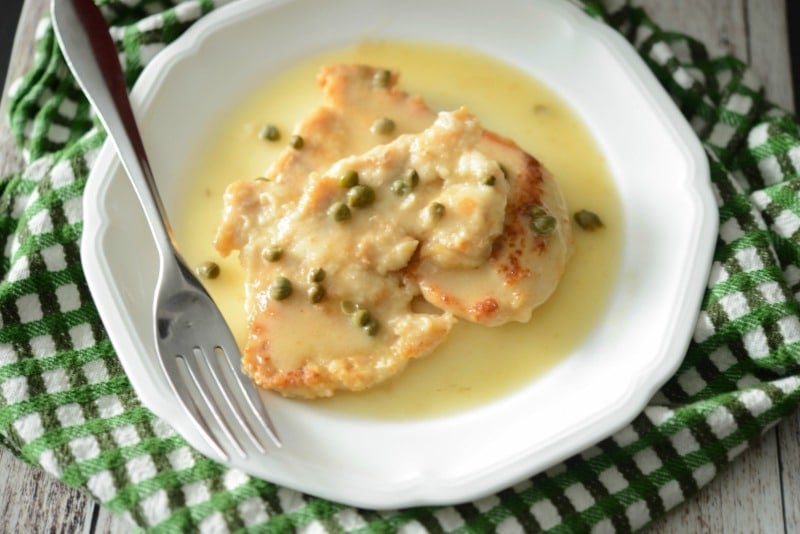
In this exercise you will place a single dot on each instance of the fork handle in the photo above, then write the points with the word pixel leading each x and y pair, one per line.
pixel 91 55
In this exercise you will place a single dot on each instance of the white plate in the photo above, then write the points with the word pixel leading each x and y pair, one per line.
pixel 670 227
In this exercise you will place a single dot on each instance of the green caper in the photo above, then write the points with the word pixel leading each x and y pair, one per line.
pixel 544 224
pixel 280 289
pixel 537 211
pixel 588 220
pixel 489 180
pixel 348 307
pixel 316 292
pixel 273 253
pixel 371 328
pixel 269 133
pixel 360 196
pixel 399 188
pixel 411 178
pixel 437 210
pixel 296 142
pixel 208 269
pixel 349 179
pixel 339 212
pixel 382 126
pixel 361 317
pixel 382 78
pixel 316 275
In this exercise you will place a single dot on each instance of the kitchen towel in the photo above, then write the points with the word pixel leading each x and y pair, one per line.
pixel 67 406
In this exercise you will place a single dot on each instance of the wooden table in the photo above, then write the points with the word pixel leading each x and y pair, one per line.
pixel 759 492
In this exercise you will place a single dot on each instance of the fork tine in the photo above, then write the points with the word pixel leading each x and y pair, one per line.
pixel 210 401
pixel 252 397
pixel 170 368
pixel 216 371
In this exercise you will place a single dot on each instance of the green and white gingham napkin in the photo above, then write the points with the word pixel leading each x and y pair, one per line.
pixel 67 406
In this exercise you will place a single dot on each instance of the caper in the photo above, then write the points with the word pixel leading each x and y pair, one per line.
pixel 348 307
pixel 272 253
pixel 360 196
pixel 489 180
pixel 399 188
pixel 316 275
pixel 349 179
pixel 361 317
pixel 280 289
pixel 339 212
pixel 436 210
pixel 296 142
pixel 544 224
pixel 270 133
pixel 316 292
pixel 382 78
pixel 371 328
pixel 588 220
pixel 411 178
pixel 382 126
pixel 208 269
pixel 537 211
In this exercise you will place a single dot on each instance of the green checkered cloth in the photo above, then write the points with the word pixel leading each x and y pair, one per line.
pixel 67 406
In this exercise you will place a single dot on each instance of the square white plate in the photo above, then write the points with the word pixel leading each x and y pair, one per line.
pixel 658 165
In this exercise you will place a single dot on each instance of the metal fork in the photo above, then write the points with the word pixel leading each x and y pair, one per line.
pixel 191 334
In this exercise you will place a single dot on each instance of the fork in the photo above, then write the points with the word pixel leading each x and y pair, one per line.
pixel 196 350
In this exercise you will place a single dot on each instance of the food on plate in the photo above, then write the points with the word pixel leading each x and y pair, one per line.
pixel 588 220
pixel 376 205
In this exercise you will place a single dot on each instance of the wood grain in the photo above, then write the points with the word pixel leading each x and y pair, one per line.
pixel 789 459
pixel 33 501
pixel 768 49
pixel 721 26
pixel 759 492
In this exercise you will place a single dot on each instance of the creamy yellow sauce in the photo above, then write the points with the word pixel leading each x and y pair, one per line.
pixel 476 364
